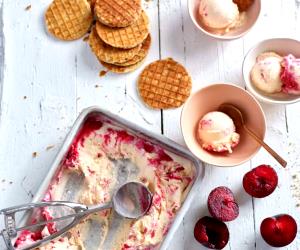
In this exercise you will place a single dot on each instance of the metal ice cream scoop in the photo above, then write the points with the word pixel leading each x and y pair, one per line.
pixel 132 200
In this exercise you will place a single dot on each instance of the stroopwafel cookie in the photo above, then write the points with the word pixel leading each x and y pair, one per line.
pixel 140 55
pixel 122 69
pixel 127 37
pixel 117 13
pixel 164 84
pixel 68 19
pixel 110 54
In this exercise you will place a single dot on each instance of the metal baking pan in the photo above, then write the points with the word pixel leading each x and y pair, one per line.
pixel 164 142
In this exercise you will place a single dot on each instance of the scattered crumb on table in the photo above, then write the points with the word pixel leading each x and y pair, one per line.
pixel 28 7
pixel 97 86
pixel 24 97
pixel 295 187
pixel 49 147
pixel 3 180
pixel 34 154
pixel 102 73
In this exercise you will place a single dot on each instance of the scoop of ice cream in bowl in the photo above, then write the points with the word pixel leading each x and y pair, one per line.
pixel 224 19
pixel 271 71
pixel 212 135
pixel 216 132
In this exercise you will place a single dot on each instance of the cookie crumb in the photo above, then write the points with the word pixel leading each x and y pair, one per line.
pixel 3 180
pixel 295 187
pixel 10 182
pixel 102 73
pixel 50 147
pixel 24 97
pixel 34 154
pixel 28 7
pixel 97 86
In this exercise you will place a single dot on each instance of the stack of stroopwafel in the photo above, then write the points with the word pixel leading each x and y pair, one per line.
pixel 120 39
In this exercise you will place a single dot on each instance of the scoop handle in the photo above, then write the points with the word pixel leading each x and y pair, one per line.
pixel 278 158
pixel 78 214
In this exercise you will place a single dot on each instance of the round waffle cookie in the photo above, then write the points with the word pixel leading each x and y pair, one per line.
pixel 164 84
pixel 68 19
pixel 110 54
pixel 121 69
pixel 127 37
pixel 118 13
pixel 140 55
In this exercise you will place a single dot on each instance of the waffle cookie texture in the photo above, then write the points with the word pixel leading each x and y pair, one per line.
pixel 68 19
pixel 109 54
pixel 117 13
pixel 127 37
pixel 143 52
pixel 164 84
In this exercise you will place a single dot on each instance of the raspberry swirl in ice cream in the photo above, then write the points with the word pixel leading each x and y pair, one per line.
pixel 273 73
pixel 216 132
pixel 93 162
pixel 290 75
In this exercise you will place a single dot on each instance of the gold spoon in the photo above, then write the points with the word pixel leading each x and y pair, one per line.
pixel 237 116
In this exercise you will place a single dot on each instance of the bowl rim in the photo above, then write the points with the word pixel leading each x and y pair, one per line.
pixel 221 37
pixel 248 83
pixel 251 96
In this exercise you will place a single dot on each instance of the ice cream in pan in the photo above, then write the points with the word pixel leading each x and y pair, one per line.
pixel 90 173
pixel 273 74
pixel 221 16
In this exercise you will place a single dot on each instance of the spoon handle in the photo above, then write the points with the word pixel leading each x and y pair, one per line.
pixel 267 147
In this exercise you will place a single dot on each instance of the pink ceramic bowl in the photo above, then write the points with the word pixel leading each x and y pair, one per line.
pixel 208 99
pixel 252 15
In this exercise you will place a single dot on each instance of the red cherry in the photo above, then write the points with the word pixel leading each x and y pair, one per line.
pixel 222 205
pixel 260 181
pixel 279 230
pixel 211 233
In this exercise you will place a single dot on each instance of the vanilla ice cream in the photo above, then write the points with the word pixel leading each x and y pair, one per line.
pixel 94 168
pixel 216 132
pixel 218 14
pixel 290 75
pixel 265 74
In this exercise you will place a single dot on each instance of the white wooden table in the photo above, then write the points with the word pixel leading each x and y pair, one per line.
pixel 46 83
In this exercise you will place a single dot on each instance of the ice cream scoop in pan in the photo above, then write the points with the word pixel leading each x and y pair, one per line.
pixel 132 200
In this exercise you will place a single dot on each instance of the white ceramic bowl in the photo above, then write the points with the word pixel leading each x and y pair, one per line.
pixel 252 15
pixel 283 47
